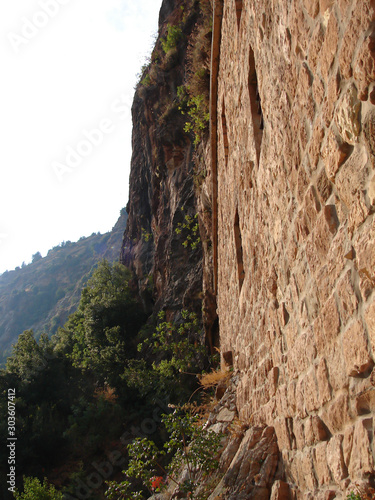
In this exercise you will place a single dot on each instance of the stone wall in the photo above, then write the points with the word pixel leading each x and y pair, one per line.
pixel 296 230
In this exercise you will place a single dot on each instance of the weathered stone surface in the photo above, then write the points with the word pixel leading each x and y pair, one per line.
pixel 348 301
pixel 335 459
pixel 336 415
pixel 329 47
pixel 225 415
pixel 322 470
pixel 324 387
pixel 333 153
pixel 315 430
pixel 370 320
pixel 347 116
pixel 361 459
pixel 369 130
pixel 358 359
pixel 251 472
pixel 364 67
pixel 330 327
pixel 280 491
pixel 332 94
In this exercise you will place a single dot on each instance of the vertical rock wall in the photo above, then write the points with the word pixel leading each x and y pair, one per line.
pixel 168 275
pixel 296 230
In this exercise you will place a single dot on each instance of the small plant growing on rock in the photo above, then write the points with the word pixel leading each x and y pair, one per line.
pixel 190 227
pixel 196 107
pixel 172 39
pixel 192 447
pixel 353 496
pixel 145 235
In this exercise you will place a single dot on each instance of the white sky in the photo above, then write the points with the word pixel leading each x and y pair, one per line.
pixel 68 67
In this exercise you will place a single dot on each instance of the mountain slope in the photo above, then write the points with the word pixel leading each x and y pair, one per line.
pixel 41 295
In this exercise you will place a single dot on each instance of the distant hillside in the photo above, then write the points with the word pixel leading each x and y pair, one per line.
pixel 41 295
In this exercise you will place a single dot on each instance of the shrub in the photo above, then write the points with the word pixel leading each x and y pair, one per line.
pixel 190 445
pixel 190 227
pixel 172 39
pixel 34 490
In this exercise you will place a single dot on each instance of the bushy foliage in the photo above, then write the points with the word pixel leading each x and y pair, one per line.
pixel 175 352
pixel 190 230
pixel 101 335
pixel 193 96
pixel 174 34
pixel 33 489
pixel 189 445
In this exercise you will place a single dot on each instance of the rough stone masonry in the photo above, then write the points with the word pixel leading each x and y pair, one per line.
pixel 295 220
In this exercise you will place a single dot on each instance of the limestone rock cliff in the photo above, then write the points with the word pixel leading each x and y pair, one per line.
pixel 168 266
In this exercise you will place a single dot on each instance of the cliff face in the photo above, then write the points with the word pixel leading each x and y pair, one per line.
pixel 163 181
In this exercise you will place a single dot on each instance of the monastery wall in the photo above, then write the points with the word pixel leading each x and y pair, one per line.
pixel 296 229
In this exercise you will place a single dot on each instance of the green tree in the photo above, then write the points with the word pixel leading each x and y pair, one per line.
pixel 28 357
pixel 101 335
pixel 33 489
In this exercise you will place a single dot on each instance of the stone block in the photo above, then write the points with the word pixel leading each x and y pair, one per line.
pixel 318 90
pixel 307 469
pixel 361 458
pixel 311 392
pixel 336 414
pixel 291 397
pixel 324 186
pixel 332 94
pixel 349 43
pixel 370 321
pixel 331 324
pixel 348 302
pixel 324 285
pixel 352 177
pixel 364 246
pixel 312 205
pixel 369 131
pixel 300 398
pixel 335 458
pixel 316 144
pixel 315 430
pixel 358 359
pixel 273 377
pixel 225 415
pixel 347 444
pixel 280 491
pixel 324 387
pixel 329 47
pixel 334 153
pixel 316 43
pixel 325 5
pixel 330 214
pixel 364 67
pixel 336 366
pixel 302 354
pixel 322 470
pixel 347 116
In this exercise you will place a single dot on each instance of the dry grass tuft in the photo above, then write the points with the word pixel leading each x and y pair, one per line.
pixel 212 379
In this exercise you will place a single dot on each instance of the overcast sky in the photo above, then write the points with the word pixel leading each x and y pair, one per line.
pixel 68 74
